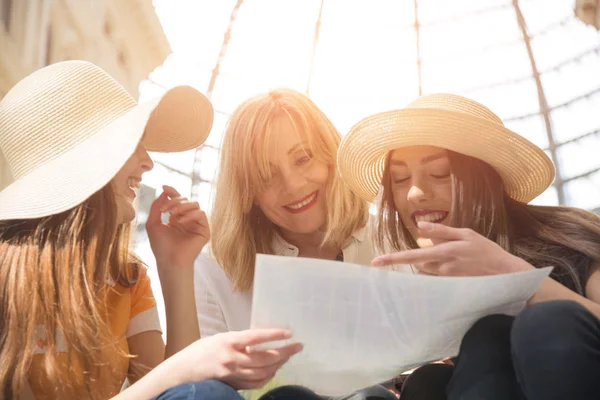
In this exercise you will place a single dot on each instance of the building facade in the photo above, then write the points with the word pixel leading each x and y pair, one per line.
pixel 123 37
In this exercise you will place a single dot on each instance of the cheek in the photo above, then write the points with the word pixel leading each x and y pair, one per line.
pixel 400 201
pixel 443 192
pixel 319 173
pixel 267 200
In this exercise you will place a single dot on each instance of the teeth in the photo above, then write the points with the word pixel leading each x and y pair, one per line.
pixel 431 217
pixel 133 184
pixel 302 204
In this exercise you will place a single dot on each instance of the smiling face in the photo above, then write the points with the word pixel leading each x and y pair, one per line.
pixel 421 186
pixel 294 194
pixel 127 180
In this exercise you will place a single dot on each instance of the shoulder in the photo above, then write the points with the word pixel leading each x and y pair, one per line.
pixel 205 263
pixel 208 272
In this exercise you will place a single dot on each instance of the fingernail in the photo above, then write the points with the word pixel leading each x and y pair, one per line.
pixel 425 226
pixel 378 262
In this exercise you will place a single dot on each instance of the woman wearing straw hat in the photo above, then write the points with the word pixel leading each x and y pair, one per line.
pixel 455 184
pixel 279 194
pixel 78 315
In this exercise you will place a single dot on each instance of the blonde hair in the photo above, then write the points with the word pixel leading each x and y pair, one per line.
pixel 240 229
pixel 52 272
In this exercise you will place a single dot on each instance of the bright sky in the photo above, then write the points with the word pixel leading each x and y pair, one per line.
pixel 365 61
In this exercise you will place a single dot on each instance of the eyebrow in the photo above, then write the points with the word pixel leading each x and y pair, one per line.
pixel 294 147
pixel 425 160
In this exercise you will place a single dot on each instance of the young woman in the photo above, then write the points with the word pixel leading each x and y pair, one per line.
pixel 455 186
pixel 277 193
pixel 78 315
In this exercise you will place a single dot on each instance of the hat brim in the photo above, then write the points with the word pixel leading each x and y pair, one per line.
pixel 525 169
pixel 179 120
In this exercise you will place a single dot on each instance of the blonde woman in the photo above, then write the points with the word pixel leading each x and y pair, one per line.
pixel 277 193
pixel 77 311
pixel 456 186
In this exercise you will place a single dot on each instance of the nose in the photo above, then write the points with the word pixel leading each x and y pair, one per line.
pixel 293 181
pixel 145 161
pixel 418 192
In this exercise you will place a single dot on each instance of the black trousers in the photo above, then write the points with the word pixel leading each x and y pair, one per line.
pixel 549 351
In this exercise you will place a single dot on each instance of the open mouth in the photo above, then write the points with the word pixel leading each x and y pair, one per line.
pixel 304 204
pixel 429 216
pixel 133 184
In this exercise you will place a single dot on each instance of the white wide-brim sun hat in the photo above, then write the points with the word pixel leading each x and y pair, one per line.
pixel 68 128
pixel 450 122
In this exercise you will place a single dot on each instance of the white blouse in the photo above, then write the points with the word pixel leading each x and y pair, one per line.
pixel 220 309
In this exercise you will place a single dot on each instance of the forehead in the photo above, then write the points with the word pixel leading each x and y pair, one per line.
pixel 417 154
pixel 285 133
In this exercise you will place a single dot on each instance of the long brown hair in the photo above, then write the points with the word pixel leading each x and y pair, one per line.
pixel 240 229
pixel 52 274
pixel 565 238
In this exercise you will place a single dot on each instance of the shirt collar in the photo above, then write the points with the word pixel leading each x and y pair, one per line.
pixel 282 248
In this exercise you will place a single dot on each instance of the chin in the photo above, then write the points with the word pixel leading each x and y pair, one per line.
pixel 306 228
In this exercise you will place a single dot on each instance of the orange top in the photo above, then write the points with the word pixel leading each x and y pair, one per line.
pixel 132 311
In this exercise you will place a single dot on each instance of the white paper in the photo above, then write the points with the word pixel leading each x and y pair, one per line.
pixel 364 325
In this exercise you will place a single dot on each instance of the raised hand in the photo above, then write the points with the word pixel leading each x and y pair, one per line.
pixel 457 252
pixel 178 242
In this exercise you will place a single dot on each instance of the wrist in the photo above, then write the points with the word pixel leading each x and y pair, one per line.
pixel 173 270
pixel 517 264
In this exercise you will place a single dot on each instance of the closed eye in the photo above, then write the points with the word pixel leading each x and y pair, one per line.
pixel 305 158
pixel 400 180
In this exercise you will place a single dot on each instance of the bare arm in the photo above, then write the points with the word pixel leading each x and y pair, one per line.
pixel 149 351
pixel 180 309
pixel 175 245
pixel 228 357
pixel 552 290
pixel 462 252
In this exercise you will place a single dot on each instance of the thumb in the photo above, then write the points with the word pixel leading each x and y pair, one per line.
pixel 154 215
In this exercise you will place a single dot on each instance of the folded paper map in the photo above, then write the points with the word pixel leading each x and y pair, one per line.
pixel 363 325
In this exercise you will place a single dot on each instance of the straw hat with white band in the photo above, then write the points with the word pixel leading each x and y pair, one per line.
pixel 447 121
pixel 67 129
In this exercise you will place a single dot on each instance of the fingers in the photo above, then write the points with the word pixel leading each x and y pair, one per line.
pixel 429 268
pixel 416 256
pixel 442 232
pixel 266 358
pixel 257 377
pixel 196 215
pixel 251 337
pixel 440 253
pixel 170 191
pixel 180 207
pixel 253 374
pixel 154 215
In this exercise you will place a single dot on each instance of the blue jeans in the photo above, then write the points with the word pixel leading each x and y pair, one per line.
pixel 205 390
pixel 217 390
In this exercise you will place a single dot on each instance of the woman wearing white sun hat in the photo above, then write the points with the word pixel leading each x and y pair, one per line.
pixel 455 183
pixel 78 315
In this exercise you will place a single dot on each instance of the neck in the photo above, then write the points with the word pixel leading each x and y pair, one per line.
pixel 310 245
pixel 304 241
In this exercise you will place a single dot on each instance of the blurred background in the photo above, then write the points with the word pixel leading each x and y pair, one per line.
pixel 536 63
